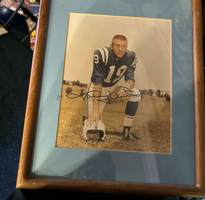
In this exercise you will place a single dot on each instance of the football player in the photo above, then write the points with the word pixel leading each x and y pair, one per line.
pixel 110 64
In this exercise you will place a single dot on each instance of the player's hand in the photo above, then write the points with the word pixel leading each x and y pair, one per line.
pixel 123 95
pixel 94 117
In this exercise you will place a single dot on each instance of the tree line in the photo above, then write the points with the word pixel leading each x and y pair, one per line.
pixel 158 94
pixel 74 83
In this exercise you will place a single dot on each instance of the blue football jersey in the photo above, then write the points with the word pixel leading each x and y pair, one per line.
pixel 107 71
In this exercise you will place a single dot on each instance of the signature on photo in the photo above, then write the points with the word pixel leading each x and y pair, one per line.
pixel 129 93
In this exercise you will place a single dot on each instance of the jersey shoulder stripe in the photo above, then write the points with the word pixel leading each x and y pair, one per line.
pixel 102 54
pixel 106 55
pixel 135 61
pixel 133 58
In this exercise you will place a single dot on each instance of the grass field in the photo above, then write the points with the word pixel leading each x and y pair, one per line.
pixel 151 124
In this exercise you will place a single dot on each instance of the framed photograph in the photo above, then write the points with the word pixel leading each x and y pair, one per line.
pixel 147 108
pixel 116 101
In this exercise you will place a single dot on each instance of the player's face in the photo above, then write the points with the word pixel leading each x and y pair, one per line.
pixel 119 47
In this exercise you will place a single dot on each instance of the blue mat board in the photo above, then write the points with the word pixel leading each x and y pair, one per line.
pixel 68 163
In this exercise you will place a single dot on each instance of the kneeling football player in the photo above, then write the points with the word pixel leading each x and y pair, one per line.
pixel 110 64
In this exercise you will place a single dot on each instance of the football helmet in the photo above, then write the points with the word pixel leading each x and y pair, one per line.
pixel 94 133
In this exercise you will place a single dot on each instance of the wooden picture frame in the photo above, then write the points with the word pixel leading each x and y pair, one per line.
pixel 24 180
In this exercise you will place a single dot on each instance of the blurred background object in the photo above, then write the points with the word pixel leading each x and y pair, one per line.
pixel 15 67
pixel 21 15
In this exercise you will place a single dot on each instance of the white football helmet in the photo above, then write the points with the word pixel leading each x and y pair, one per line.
pixel 94 133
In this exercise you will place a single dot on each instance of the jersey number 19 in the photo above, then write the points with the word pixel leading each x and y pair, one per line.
pixel 119 73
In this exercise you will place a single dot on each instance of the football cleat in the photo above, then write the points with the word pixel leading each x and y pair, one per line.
pixel 94 133
pixel 128 136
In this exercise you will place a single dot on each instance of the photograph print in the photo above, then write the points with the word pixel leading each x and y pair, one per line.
pixel 116 89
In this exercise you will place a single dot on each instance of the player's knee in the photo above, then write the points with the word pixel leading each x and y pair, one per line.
pixel 136 96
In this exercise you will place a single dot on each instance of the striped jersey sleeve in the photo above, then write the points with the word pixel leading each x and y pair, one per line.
pixel 129 74
pixel 134 62
pixel 99 62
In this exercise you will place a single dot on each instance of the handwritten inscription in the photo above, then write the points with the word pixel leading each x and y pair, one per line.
pixel 88 95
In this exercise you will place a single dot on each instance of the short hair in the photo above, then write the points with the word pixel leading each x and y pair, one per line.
pixel 119 37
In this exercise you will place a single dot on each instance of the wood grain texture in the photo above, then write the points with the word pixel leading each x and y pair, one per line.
pixel 33 95
pixel 25 181
pixel 199 94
